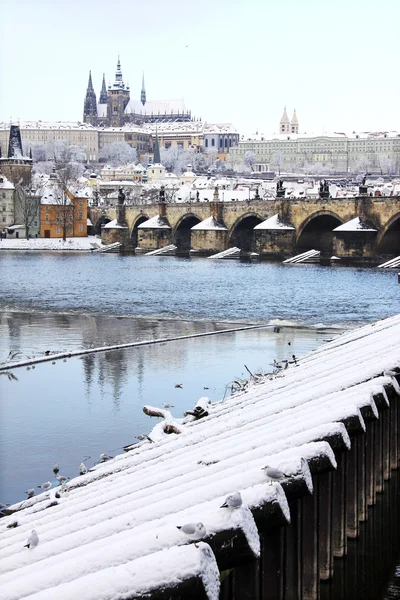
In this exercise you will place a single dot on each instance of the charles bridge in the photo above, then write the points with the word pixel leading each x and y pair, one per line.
pixel 298 225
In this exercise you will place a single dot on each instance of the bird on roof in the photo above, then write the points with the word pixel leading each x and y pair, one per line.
pixel 194 531
pixel 233 501
pixel 55 469
pixel 274 474
pixel 82 469
pixel 45 486
pixel 33 540
pixel 29 493
pixel 61 479
pixel 143 436
pixel 105 457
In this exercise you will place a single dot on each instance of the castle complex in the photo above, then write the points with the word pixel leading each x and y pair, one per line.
pixel 116 108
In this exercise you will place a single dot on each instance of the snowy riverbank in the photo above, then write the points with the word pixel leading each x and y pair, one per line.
pixel 83 244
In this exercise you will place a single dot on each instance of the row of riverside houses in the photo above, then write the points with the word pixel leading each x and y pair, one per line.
pixel 329 422
pixel 50 210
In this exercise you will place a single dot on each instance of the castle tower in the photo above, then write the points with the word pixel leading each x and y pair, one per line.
pixel 143 93
pixel 118 98
pixel 90 104
pixel 284 125
pixel 294 125
pixel 103 92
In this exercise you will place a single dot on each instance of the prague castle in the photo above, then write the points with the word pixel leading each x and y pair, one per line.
pixel 115 107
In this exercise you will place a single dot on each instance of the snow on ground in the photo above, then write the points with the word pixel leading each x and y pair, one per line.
pixel 71 243
pixel 114 531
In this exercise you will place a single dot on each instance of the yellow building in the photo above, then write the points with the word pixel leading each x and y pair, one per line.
pixel 61 212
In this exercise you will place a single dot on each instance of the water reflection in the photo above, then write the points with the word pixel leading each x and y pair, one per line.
pixel 93 404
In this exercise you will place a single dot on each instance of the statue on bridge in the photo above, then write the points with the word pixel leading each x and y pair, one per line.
pixel 121 196
pixel 324 189
pixel 280 190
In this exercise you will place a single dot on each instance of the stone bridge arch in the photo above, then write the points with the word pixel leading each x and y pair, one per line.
pixel 134 231
pixel 182 235
pixel 241 234
pixel 316 232
pixel 388 239
pixel 103 220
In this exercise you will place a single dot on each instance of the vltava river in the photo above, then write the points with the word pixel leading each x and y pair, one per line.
pixel 81 407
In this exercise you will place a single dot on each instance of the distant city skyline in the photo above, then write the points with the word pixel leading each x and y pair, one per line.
pixel 229 61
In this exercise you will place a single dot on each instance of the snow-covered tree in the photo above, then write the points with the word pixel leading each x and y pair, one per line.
pixel 118 154
pixel 361 165
pixel 249 159
pixel 386 164
pixel 276 161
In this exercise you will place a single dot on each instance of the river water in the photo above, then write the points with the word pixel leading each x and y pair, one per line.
pixel 83 406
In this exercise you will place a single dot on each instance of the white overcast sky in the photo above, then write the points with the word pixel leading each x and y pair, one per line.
pixel 336 62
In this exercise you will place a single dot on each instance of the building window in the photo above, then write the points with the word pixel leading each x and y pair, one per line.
pixel 212 142
pixel 80 216
pixel 80 228
pixel 206 143
pixel 47 217
pixel 57 231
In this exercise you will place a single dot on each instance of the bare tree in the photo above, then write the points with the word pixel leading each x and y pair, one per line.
pixel 26 207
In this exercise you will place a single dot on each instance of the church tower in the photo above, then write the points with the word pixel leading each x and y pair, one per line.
pixel 284 125
pixel 103 92
pixel 118 98
pixel 143 93
pixel 90 104
pixel 294 125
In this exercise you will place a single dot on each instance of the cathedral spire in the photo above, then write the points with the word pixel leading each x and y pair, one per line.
pixel 143 92
pixel 90 104
pixel 103 92
pixel 156 157
pixel 90 84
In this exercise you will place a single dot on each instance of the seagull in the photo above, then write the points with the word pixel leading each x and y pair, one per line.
pixel 274 474
pixel 82 469
pixel 33 540
pixel 61 479
pixel 194 531
pixel 178 385
pixel 105 457
pixel 168 405
pixel 45 486
pixel 55 469
pixel 233 501
pixel 30 493
pixel 205 388
pixel 143 436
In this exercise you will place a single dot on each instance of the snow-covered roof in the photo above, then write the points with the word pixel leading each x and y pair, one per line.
pixel 156 222
pixel 155 107
pixel 356 224
pixel 210 223
pixel 50 125
pixel 5 184
pixel 113 225
pixel 113 532
pixel 275 222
